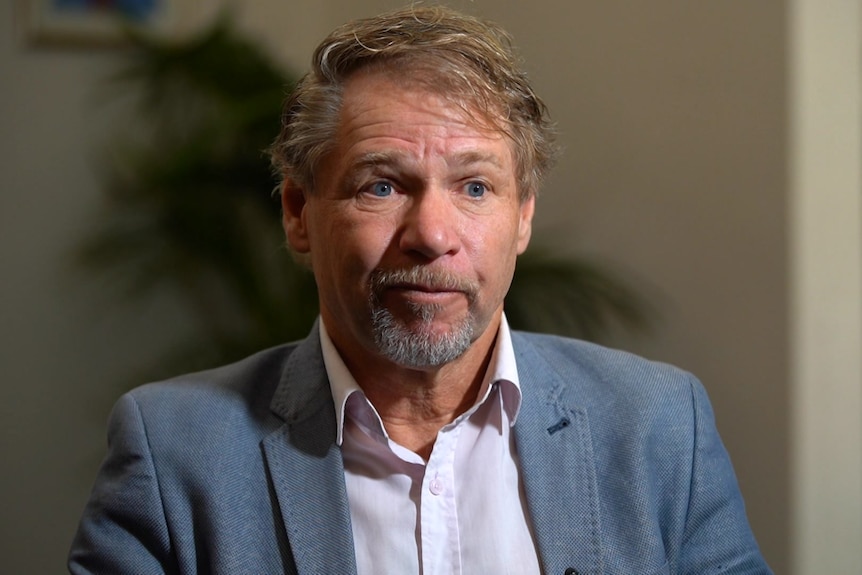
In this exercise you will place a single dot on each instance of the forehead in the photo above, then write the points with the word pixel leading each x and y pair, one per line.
pixel 382 106
pixel 455 83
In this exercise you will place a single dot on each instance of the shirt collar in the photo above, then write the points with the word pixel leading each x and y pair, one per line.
pixel 502 370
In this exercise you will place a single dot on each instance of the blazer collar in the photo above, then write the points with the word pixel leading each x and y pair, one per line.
pixel 557 466
pixel 554 448
pixel 305 466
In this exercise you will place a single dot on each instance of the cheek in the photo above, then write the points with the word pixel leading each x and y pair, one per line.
pixel 354 245
pixel 495 251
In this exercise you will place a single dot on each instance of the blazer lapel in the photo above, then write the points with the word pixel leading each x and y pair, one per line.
pixel 556 455
pixel 306 469
pixel 554 447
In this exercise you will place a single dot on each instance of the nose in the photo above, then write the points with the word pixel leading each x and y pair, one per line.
pixel 430 225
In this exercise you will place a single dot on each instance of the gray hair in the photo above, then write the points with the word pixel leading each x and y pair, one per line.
pixel 468 61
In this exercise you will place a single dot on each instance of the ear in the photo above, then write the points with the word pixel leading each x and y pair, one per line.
pixel 293 206
pixel 525 223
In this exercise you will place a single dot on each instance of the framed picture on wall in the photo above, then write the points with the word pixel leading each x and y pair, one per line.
pixel 92 21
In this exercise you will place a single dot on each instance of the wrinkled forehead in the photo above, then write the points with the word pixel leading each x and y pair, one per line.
pixel 461 87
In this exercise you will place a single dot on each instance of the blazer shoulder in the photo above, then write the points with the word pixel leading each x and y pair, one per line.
pixel 594 375
pixel 235 394
pixel 663 480
pixel 237 377
pixel 569 354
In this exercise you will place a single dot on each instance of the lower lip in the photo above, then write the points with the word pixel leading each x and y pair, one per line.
pixel 430 297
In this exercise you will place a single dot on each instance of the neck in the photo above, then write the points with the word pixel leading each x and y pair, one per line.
pixel 415 404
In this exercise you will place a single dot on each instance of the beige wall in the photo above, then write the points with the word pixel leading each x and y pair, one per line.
pixel 62 351
pixel 826 285
pixel 675 116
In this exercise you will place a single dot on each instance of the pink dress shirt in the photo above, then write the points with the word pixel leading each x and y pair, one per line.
pixel 461 512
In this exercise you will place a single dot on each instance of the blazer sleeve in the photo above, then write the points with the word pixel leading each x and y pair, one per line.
pixel 123 528
pixel 716 536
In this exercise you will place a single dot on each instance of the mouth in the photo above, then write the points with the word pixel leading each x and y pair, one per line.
pixel 422 285
pixel 414 295
pixel 423 288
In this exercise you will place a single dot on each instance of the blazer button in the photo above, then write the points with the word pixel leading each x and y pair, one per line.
pixel 571 571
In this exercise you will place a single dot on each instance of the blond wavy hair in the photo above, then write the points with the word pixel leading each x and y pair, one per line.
pixel 468 61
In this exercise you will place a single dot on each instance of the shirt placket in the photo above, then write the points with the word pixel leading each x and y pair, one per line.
pixel 438 517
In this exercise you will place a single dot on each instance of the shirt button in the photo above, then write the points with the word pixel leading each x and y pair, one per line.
pixel 436 486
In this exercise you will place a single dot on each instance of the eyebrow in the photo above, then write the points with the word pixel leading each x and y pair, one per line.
pixel 389 158
pixel 373 159
pixel 475 157
pixel 369 161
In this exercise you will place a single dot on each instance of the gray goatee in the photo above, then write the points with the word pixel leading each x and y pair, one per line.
pixel 415 345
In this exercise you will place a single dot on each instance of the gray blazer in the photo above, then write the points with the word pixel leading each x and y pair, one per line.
pixel 236 470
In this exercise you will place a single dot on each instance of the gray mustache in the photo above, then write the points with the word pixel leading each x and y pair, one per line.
pixel 423 277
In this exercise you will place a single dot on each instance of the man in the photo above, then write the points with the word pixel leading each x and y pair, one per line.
pixel 412 431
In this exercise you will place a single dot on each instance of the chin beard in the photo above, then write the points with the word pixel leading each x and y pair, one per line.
pixel 415 345
pixel 418 347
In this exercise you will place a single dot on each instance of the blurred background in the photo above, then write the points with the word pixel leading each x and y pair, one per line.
pixel 711 157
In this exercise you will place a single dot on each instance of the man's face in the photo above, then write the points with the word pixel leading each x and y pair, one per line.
pixel 413 227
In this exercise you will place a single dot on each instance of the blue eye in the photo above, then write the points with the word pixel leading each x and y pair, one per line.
pixel 476 189
pixel 381 189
